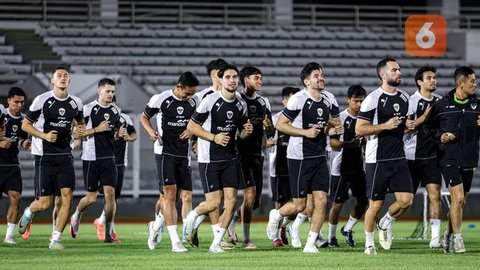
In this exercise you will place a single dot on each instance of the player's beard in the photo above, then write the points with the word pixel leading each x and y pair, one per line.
pixel 394 83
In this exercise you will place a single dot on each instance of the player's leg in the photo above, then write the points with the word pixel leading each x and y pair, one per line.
pixel 12 215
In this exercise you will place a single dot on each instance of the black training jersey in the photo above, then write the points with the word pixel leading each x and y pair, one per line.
pixel 460 119
pixel 349 159
pixel 377 108
pixel 306 112
pixel 14 133
pixel 120 145
pixel 217 114
pixel 173 115
pixel 100 145
pixel 278 153
pixel 257 107
pixel 421 144
pixel 48 113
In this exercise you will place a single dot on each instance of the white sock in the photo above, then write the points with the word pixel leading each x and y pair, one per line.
pixel 56 236
pixel 199 221
pixel 54 224
pixel 369 241
pixel 159 220
pixel 172 231
pixel 285 222
pixel 101 219
pixel 385 221
pixel 184 224
pixel 298 222
pixel 332 231
pixel 10 229
pixel 276 215
pixel 77 215
pixel 457 235
pixel 435 227
pixel 312 236
pixel 218 235
pixel 350 224
pixel 214 228
pixel 235 219
pixel 28 213
pixel 246 231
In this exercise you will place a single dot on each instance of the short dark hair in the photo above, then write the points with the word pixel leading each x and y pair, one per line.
pixel 215 64
pixel 188 79
pixel 226 67
pixel 288 91
pixel 16 91
pixel 383 63
pixel 247 71
pixel 420 71
pixel 307 70
pixel 356 91
pixel 106 81
pixel 61 68
pixel 462 72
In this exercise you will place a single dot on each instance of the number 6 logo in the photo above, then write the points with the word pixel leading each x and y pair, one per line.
pixel 425 35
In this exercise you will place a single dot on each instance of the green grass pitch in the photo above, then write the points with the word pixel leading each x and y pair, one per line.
pixel 87 253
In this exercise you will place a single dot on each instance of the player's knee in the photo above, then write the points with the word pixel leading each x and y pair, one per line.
pixel 300 206
pixel 14 198
pixel 457 198
pixel 406 202
pixel 43 204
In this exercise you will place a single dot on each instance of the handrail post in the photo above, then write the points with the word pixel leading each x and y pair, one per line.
pixel 44 10
pixel 357 17
pixel 180 13
pixel 132 12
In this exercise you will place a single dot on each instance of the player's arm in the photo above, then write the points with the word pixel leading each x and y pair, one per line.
pixel 285 125
pixel 197 130
pixel 365 127
pixel 145 121
pixel 28 127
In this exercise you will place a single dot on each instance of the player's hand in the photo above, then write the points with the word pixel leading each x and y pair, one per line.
pixel 248 127
pixel 358 141
pixel 122 132
pixel 51 136
pixel 267 124
pixel 185 135
pixel 410 124
pixel 2 132
pixel 446 137
pixel 26 144
pixel 78 131
pixel 270 143
pixel 221 138
pixel 392 123
pixel 339 130
pixel 478 121
pixel 5 144
pixel 194 148
pixel 153 135
pixel 103 126
pixel 312 132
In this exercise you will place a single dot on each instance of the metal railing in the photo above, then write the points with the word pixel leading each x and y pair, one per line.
pixel 160 12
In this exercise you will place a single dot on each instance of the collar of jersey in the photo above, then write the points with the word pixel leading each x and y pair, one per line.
pixel 387 93
pixel 57 98
pixel 427 99
pixel 314 99
pixel 105 107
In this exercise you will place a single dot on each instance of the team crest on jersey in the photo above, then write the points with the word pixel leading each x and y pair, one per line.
pixel 180 110
pixel 253 108
pixel 396 107
pixel 319 111
pixel 106 116
pixel 229 114
pixel 14 128
pixel 61 111
pixel 473 106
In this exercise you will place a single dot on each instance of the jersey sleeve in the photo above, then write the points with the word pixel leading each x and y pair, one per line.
pixel 412 106
pixel 293 107
pixel 202 111
pixel 368 108
pixel 79 117
pixel 334 110
pixel 35 109
pixel 129 124
pixel 153 106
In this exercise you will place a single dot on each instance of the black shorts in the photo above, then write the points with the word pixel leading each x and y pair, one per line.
pixel 252 172
pixel 308 175
pixel 387 176
pixel 173 170
pixel 100 172
pixel 218 175
pixel 280 189
pixel 10 179
pixel 53 173
pixel 424 172
pixel 454 176
pixel 119 184
pixel 341 184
